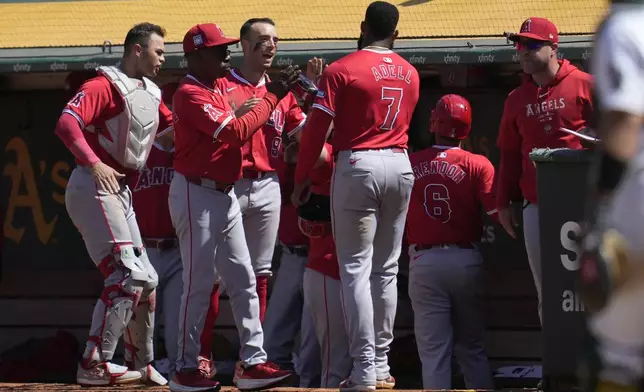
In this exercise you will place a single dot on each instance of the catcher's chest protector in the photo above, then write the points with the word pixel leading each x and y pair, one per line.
pixel 130 135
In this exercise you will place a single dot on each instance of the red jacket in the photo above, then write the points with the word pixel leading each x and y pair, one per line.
pixel 531 119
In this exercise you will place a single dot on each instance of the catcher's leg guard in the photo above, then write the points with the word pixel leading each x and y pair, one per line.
pixel 113 311
pixel 139 332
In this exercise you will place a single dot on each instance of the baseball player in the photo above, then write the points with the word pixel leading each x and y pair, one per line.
pixel 150 200
pixel 109 126
pixel 206 214
pixel 554 94
pixel 322 285
pixel 369 96
pixel 613 250
pixel 446 269
pixel 258 191
pixel 287 314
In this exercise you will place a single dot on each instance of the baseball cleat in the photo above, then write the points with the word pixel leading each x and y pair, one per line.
pixel 150 376
pixel 349 386
pixel 193 381
pixel 261 376
pixel 106 374
pixel 386 383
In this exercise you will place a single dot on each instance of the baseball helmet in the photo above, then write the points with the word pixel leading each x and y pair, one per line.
pixel 452 117
pixel 314 216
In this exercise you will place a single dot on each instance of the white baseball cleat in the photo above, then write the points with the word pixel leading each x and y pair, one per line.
pixel 150 376
pixel 349 386
pixel 105 374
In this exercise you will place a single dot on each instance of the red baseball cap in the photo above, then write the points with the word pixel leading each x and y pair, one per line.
pixel 540 29
pixel 205 35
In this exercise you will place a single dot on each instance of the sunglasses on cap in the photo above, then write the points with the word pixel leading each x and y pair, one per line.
pixel 531 44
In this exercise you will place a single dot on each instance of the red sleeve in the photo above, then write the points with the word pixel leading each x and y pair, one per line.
pixel 509 142
pixel 165 118
pixel 82 110
pixel 90 101
pixel 312 142
pixel 215 118
pixel 333 79
pixel 295 118
pixel 69 131
pixel 486 188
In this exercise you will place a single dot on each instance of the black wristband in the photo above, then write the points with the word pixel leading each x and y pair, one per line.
pixel 611 171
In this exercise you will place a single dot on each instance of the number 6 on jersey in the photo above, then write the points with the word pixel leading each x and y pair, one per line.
pixel 437 202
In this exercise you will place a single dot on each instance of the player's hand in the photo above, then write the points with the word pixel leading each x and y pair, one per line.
pixel 247 106
pixel 314 68
pixel 288 77
pixel 508 221
pixel 106 178
pixel 301 194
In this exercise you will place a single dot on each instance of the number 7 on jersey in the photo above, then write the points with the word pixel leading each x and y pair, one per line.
pixel 394 96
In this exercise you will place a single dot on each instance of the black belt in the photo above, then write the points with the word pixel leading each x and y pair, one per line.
pixel 161 243
pixel 443 246
pixel 225 187
pixel 300 251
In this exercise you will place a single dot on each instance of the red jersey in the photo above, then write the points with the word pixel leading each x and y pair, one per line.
pixel 531 119
pixel 289 233
pixel 450 189
pixel 322 256
pixel 370 95
pixel 97 101
pixel 150 195
pixel 263 149
pixel 207 136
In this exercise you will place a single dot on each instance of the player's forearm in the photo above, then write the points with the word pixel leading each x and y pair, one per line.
pixel 239 130
pixel 70 132
pixel 509 175
pixel 312 143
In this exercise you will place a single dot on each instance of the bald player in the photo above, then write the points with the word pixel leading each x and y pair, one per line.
pixel 370 96
pixel 206 214
pixel 446 269
pixel 109 126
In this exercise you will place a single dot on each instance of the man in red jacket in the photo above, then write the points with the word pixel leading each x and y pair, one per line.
pixel 554 94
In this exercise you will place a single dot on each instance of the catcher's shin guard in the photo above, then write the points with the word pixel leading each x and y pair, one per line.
pixel 139 332
pixel 120 297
